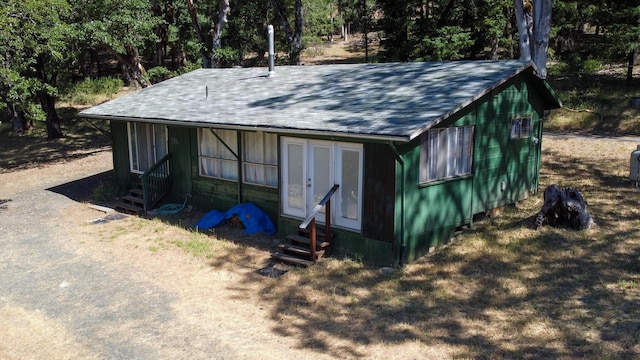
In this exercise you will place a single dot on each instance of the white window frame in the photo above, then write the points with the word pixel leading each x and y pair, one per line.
pixel 217 161
pixel 521 127
pixel 342 219
pixel 339 218
pixel 446 153
pixel 159 150
pixel 260 156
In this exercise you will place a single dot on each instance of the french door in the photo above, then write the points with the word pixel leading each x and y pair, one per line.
pixel 310 168
pixel 147 145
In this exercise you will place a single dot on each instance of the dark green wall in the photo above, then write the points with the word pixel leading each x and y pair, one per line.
pixel 432 211
pixel 120 152
pixel 180 147
pixel 504 171
pixel 398 209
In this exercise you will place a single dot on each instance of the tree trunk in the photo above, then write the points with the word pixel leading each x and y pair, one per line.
pixel 534 27
pixel 631 60
pixel 523 33
pixel 20 123
pixel 542 30
pixel 223 12
pixel 131 65
pixel 196 26
pixel 48 105
pixel 293 38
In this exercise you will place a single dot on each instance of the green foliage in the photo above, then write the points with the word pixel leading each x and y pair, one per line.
pixel 449 43
pixel 86 91
pixel 158 74
pixel 227 56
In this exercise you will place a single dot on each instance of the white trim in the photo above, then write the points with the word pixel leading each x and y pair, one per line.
pixel 335 175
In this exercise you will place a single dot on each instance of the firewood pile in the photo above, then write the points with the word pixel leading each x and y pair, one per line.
pixel 564 207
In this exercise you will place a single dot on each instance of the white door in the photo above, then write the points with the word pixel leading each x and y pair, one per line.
pixel 310 168
pixel 147 145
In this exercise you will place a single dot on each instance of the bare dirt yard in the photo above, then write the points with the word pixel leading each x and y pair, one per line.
pixel 80 283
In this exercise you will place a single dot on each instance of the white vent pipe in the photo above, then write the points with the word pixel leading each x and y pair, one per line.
pixel 272 54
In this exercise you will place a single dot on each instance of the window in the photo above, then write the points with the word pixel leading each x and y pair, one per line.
pixel 147 145
pixel 260 158
pixel 218 154
pixel 521 127
pixel 446 153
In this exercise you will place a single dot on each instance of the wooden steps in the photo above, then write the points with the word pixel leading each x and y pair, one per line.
pixel 132 203
pixel 296 249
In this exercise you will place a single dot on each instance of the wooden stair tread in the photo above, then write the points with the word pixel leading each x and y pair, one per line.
pixel 129 207
pixel 299 250
pixel 138 192
pixel 292 259
pixel 319 232
pixel 133 199
pixel 305 240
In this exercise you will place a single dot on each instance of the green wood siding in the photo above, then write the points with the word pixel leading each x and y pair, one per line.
pixel 348 244
pixel 120 152
pixel 432 211
pixel 180 149
pixel 379 192
pixel 505 170
pixel 219 194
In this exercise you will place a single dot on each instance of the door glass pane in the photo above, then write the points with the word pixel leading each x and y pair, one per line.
pixel 295 176
pixel 133 146
pixel 321 174
pixel 349 184
pixel 160 136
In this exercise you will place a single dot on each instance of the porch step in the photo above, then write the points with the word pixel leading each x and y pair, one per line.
pixel 133 200
pixel 128 208
pixel 298 250
pixel 302 240
pixel 292 259
pixel 132 203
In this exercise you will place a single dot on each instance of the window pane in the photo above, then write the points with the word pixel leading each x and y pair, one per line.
pixel 295 176
pixel 443 146
pixel 253 147
pixel 350 180
pixel 160 141
pixel 446 153
pixel 271 149
pixel 271 175
pixel 525 130
pixel 215 159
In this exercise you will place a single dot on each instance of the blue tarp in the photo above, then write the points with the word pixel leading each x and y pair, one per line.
pixel 252 217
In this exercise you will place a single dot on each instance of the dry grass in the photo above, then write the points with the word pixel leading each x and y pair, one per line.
pixel 500 290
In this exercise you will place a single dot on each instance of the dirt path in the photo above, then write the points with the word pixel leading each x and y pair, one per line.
pixel 69 290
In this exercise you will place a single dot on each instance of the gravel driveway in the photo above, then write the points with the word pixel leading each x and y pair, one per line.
pixel 62 297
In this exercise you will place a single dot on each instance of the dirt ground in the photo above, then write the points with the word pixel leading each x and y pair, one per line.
pixel 187 307
pixel 78 285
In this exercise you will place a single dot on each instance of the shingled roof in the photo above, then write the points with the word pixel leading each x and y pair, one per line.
pixel 392 101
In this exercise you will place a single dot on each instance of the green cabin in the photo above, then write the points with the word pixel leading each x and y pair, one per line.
pixel 415 149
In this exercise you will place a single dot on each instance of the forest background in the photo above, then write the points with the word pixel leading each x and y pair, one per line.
pixel 52 50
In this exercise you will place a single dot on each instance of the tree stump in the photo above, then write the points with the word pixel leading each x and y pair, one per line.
pixel 564 207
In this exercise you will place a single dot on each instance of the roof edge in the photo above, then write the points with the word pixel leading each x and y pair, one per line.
pixel 464 105
pixel 372 137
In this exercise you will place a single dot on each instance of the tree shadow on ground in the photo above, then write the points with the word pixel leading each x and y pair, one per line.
pixel 84 190
pixel 33 149
pixel 501 290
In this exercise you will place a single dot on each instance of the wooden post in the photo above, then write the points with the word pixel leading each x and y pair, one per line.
pixel 327 222
pixel 312 236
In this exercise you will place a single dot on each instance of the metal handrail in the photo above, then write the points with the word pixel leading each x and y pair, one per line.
pixel 156 182
pixel 311 220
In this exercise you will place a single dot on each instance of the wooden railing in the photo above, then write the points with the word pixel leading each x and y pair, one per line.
pixel 310 221
pixel 156 182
